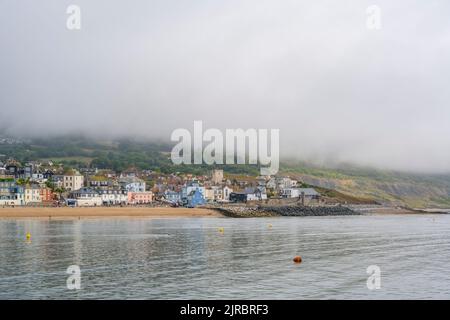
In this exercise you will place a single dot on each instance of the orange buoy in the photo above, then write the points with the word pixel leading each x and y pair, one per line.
pixel 297 259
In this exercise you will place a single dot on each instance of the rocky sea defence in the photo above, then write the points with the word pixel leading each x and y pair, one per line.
pixel 285 211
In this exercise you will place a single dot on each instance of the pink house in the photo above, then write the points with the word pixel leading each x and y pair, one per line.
pixel 140 197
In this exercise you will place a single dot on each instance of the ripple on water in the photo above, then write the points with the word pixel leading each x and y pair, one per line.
pixel 191 259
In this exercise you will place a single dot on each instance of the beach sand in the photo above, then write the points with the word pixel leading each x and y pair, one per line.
pixel 106 212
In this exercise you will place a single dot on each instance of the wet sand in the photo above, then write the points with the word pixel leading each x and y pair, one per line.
pixel 107 212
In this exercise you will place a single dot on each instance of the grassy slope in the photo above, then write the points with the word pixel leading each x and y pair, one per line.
pixel 413 190
pixel 352 184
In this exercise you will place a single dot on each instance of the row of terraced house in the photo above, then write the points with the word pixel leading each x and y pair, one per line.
pixel 32 186
pixel 24 186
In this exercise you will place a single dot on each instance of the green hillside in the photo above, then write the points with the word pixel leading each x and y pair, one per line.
pixel 118 155
pixel 413 190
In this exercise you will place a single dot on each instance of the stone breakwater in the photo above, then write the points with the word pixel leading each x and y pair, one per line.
pixel 286 211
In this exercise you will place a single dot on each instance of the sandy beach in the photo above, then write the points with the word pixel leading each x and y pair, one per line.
pixel 98 212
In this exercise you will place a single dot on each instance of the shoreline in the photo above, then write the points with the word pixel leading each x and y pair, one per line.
pixel 285 211
pixel 106 212
pixel 255 211
pixel 75 213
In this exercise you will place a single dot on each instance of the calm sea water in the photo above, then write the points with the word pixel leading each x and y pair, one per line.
pixel 191 259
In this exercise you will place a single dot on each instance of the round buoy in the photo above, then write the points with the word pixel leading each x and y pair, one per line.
pixel 270 225
pixel 28 236
pixel 221 230
pixel 297 259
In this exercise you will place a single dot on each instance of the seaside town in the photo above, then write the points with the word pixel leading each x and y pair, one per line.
pixel 39 184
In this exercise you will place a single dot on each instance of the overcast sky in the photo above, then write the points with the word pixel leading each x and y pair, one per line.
pixel 337 90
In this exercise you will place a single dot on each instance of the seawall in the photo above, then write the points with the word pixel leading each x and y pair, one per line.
pixel 285 211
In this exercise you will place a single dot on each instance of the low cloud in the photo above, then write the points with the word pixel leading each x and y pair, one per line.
pixel 337 91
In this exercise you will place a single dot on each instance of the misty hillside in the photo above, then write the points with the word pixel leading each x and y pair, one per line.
pixel 117 155
pixel 414 190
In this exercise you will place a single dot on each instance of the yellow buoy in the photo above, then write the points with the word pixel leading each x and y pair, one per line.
pixel 28 236
pixel 221 230
pixel 270 225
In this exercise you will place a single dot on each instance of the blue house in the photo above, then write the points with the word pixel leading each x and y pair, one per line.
pixel 11 193
pixel 195 198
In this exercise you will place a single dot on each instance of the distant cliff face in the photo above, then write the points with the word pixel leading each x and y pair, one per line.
pixel 421 191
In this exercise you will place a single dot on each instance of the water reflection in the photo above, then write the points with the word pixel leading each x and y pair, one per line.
pixel 191 259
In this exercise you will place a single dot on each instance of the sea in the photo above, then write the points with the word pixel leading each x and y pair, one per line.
pixel 343 257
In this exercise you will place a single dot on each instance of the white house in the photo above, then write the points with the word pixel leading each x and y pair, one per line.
pixel 32 194
pixel 73 181
pixel 113 196
pixel 299 192
pixel 132 184
pixel 226 193
pixel 254 194
pixel 86 197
